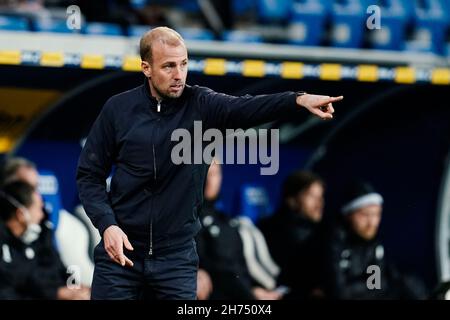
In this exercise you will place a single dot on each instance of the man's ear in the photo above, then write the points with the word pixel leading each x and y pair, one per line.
pixel 20 215
pixel 146 69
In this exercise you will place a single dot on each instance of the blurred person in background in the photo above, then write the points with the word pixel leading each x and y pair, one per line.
pixel 63 226
pixel 220 249
pixel 18 168
pixel 30 267
pixel 353 246
pixel 294 233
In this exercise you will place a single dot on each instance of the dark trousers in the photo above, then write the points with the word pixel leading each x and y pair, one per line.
pixel 168 275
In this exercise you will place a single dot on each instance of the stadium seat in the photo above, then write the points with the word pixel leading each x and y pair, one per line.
pixel 241 7
pixel 253 202
pixel 394 20
pixel 189 6
pixel 196 34
pixel 348 24
pixel 431 23
pixel 58 26
pixel 307 23
pixel 106 29
pixel 242 36
pixel 274 11
pixel 138 30
pixel 13 23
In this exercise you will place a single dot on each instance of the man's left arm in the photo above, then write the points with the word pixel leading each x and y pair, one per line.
pixel 226 111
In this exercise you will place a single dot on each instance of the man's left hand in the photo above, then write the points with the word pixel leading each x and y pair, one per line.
pixel 321 106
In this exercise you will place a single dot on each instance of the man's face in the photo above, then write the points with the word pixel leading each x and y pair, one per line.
pixel 36 214
pixel 35 209
pixel 28 175
pixel 310 202
pixel 168 70
pixel 365 221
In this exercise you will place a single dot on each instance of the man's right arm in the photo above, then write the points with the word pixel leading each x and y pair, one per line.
pixel 94 166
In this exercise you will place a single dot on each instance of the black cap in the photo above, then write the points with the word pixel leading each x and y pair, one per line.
pixel 359 194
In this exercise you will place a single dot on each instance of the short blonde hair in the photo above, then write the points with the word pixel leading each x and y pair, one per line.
pixel 164 35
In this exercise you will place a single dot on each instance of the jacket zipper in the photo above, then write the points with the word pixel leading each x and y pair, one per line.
pixel 158 107
pixel 150 252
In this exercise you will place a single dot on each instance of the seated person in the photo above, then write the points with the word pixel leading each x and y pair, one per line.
pixel 220 250
pixel 65 227
pixel 30 268
pixel 294 234
pixel 353 246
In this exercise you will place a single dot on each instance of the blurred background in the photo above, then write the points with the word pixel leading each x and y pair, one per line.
pixel 392 129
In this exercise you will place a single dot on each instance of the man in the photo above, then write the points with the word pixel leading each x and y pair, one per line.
pixel 30 267
pixel 293 233
pixel 221 251
pixel 353 247
pixel 149 218
pixel 19 169
pixel 60 223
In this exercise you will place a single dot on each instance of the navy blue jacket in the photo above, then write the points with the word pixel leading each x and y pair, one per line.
pixel 155 202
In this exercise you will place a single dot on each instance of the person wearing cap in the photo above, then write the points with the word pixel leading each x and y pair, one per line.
pixel 354 253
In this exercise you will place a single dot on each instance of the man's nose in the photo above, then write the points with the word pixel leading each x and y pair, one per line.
pixel 177 73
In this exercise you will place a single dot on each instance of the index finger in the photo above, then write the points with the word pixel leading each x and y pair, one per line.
pixel 335 99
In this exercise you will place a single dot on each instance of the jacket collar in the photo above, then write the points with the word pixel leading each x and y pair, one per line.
pixel 168 105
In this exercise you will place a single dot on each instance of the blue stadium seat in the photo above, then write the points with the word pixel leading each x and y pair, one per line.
pixel 241 7
pixel 253 202
pixel 274 11
pixel 106 29
pixel 189 6
pixel 186 6
pixel 348 24
pixel 58 26
pixel 49 189
pixel 431 23
pixel 196 34
pixel 394 20
pixel 242 36
pixel 138 30
pixel 13 23
pixel 307 22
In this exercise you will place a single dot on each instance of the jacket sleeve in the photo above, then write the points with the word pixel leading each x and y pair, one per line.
pixel 224 111
pixel 94 166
